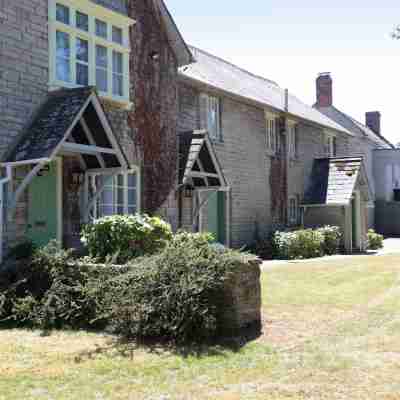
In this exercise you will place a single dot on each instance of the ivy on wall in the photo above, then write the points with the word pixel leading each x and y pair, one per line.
pixel 154 92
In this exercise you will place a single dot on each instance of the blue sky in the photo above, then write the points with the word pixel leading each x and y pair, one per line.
pixel 292 41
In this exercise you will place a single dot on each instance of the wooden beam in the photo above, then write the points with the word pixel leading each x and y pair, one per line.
pixel 85 149
pixel 91 140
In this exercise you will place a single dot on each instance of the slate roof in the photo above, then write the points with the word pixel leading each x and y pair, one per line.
pixel 333 180
pixel 50 125
pixel 220 74
pixel 55 119
pixel 355 126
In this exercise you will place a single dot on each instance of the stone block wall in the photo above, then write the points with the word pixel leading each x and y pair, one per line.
pixel 240 300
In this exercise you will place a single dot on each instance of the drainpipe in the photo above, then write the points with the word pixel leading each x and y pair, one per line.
pixel 3 182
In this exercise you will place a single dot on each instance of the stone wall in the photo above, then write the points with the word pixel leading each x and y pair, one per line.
pixel 240 300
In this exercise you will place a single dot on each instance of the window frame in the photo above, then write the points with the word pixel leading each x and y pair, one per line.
pixel 292 139
pixel 114 185
pixel 293 212
pixel 330 145
pixel 272 136
pixel 93 11
pixel 210 101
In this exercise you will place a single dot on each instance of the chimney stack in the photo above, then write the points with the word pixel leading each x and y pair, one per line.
pixel 324 90
pixel 373 121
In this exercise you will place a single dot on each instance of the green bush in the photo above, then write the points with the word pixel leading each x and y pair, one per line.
pixel 375 240
pixel 299 244
pixel 50 291
pixel 332 239
pixel 122 237
pixel 172 295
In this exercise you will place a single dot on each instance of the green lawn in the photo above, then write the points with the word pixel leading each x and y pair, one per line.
pixel 331 331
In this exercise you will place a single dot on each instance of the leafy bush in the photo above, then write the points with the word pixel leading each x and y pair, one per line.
pixel 332 239
pixel 23 250
pixel 172 295
pixel 175 294
pixel 51 291
pixel 375 240
pixel 123 237
pixel 299 244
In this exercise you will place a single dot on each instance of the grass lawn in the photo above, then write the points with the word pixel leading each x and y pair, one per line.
pixel 331 331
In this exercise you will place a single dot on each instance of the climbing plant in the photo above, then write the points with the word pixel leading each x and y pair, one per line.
pixel 153 88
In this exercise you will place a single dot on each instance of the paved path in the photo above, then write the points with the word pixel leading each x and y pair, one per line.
pixel 390 246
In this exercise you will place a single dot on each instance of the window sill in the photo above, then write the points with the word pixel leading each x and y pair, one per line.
pixel 118 101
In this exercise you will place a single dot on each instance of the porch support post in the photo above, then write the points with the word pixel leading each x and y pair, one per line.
pixel 3 182
pixel 96 196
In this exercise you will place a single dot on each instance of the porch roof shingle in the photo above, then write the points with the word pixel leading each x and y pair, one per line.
pixel 333 181
pixel 50 125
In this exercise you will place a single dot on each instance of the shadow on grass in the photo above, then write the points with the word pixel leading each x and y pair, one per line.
pixel 126 348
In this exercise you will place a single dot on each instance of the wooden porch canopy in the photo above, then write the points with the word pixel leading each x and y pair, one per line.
pixel 71 121
pixel 198 163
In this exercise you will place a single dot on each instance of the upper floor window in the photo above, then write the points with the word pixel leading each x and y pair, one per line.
pixel 89 46
pixel 330 145
pixel 272 134
pixel 211 120
pixel 292 138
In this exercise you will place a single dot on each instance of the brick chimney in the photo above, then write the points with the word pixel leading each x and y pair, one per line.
pixel 324 90
pixel 373 121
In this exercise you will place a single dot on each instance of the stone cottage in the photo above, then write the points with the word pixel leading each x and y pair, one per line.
pixel 77 79
pixel 268 143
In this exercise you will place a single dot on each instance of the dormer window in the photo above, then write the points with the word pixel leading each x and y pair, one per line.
pixel 89 46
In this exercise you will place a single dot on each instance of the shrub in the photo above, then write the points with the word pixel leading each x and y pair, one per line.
pixel 375 240
pixel 299 244
pixel 172 295
pixel 51 291
pixel 332 239
pixel 123 237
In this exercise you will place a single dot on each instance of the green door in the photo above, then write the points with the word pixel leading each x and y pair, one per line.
pixel 216 216
pixel 42 211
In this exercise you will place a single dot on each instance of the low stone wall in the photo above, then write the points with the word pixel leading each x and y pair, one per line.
pixel 240 302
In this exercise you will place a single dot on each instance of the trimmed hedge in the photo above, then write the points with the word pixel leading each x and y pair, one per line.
pixel 173 295
pixel 120 238
pixel 307 243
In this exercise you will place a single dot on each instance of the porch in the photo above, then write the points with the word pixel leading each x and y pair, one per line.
pixel 69 168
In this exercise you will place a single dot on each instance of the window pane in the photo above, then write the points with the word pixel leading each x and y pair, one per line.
pixel 101 28
pixel 82 74
pixel 82 21
pixel 101 80
pixel 131 197
pixel 62 14
pixel 118 85
pixel 117 62
pixel 101 56
pixel 132 180
pixel 63 45
pixel 82 50
pixel 106 211
pixel 63 70
pixel 117 35
pixel 120 180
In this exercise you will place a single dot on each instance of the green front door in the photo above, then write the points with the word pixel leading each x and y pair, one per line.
pixel 42 211
pixel 216 216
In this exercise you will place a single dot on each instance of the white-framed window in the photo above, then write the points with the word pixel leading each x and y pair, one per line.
pixel 211 111
pixel 120 195
pixel 293 212
pixel 292 139
pixel 330 145
pixel 89 46
pixel 272 135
